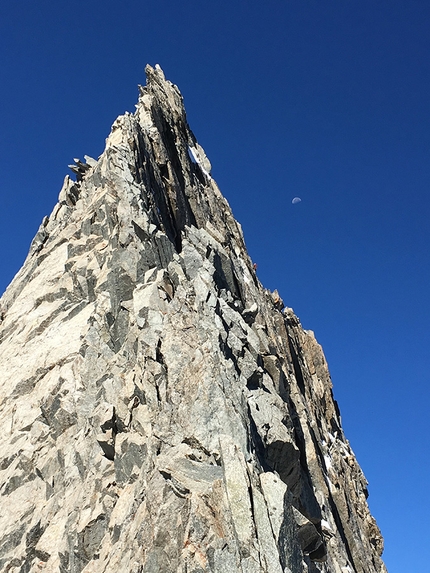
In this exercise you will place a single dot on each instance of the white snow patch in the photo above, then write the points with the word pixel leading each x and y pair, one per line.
pixel 194 155
pixel 327 460
pixel 326 525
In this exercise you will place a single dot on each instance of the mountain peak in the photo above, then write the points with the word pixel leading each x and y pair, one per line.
pixel 161 410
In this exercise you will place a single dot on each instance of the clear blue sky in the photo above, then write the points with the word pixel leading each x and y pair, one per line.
pixel 327 100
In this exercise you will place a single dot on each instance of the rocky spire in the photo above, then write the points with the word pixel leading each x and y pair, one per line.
pixel 161 411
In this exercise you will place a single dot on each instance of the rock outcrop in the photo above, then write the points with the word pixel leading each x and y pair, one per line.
pixel 161 411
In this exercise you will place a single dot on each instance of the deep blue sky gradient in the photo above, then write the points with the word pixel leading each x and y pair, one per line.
pixel 325 100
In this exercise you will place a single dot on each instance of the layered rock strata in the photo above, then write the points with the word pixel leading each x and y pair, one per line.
pixel 160 410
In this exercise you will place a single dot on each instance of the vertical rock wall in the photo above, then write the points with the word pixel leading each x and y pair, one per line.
pixel 160 410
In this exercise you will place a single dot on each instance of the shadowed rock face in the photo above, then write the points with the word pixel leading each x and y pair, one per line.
pixel 160 410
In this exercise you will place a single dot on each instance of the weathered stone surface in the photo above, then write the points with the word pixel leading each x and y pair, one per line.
pixel 160 410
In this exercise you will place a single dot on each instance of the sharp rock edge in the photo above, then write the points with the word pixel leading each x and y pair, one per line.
pixel 160 410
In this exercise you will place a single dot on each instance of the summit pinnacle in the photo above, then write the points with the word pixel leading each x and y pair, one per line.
pixel 161 411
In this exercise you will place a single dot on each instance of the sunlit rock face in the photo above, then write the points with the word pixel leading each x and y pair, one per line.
pixel 160 410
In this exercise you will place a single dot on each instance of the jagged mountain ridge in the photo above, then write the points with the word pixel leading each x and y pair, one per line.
pixel 161 410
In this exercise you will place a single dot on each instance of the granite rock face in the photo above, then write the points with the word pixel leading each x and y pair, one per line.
pixel 161 411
